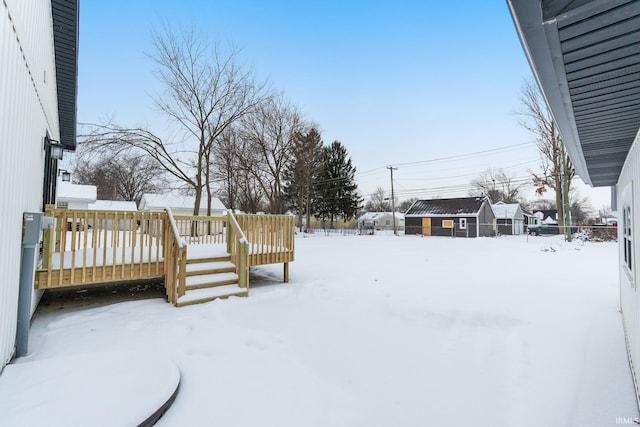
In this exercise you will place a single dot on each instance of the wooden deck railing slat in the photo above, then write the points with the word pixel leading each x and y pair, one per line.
pixel 63 243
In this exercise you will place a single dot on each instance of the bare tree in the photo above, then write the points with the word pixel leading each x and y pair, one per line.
pixel 556 169
pixel 498 185
pixel 204 93
pixel 233 158
pixel 270 133
pixel 137 175
pixel 406 204
pixel 226 167
pixel 605 212
pixel 581 208
pixel 123 177
pixel 379 201
pixel 543 204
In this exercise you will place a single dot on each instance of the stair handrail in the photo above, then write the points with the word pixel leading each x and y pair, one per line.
pixel 175 261
pixel 238 247
pixel 174 228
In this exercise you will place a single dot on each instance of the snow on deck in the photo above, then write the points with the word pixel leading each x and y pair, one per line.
pixel 207 251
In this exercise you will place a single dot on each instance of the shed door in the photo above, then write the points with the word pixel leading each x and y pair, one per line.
pixel 426 226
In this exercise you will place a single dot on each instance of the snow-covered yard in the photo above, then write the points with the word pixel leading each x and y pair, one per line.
pixel 387 331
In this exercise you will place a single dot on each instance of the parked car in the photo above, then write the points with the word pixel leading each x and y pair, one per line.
pixel 537 230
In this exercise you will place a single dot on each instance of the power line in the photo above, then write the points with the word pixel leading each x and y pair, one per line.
pixel 467 155
pixel 464 175
pixel 452 158
pixel 393 207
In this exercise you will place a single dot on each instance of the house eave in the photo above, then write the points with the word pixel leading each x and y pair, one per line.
pixel 585 57
pixel 65 40
pixel 539 42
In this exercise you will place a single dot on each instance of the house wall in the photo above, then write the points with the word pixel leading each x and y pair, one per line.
pixel 508 227
pixel 28 110
pixel 505 226
pixel 413 225
pixel 385 222
pixel 486 219
pixel 83 205
pixel 185 211
pixel 628 198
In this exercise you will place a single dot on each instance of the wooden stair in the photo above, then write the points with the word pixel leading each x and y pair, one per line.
pixel 210 278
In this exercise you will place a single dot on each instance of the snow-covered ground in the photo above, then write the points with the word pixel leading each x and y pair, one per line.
pixel 387 331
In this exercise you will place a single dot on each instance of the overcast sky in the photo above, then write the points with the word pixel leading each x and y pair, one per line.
pixel 430 87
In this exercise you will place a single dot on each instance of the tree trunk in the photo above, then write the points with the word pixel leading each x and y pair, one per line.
pixel 308 212
pixel 559 204
pixel 300 203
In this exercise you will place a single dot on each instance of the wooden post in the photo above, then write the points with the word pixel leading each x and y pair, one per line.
pixel 228 225
pixel 182 271
pixel 242 266
pixel 47 246
pixel 166 242
pixel 286 272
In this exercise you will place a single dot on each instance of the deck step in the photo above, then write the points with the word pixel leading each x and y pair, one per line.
pixel 211 280
pixel 226 258
pixel 209 294
pixel 203 268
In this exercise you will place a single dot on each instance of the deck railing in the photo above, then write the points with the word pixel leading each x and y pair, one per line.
pixel 270 237
pixel 93 246
pixel 99 246
pixel 238 247
pixel 175 265
pixel 201 229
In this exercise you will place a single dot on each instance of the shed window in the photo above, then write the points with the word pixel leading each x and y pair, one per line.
pixel 463 223
pixel 628 252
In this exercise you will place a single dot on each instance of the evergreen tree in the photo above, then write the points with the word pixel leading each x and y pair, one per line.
pixel 302 172
pixel 337 195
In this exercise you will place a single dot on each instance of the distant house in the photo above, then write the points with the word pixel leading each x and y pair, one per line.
pixel 380 221
pixel 530 220
pixel 113 205
pixel 75 196
pixel 461 217
pixel 509 218
pixel 179 204
pixel 546 216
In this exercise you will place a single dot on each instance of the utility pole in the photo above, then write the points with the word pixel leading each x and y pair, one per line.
pixel 566 204
pixel 393 203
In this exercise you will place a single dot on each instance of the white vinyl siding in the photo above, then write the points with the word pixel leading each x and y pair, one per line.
pixel 28 110
pixel 628 218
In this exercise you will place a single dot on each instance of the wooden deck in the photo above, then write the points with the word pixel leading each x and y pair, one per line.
pixel 98 247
